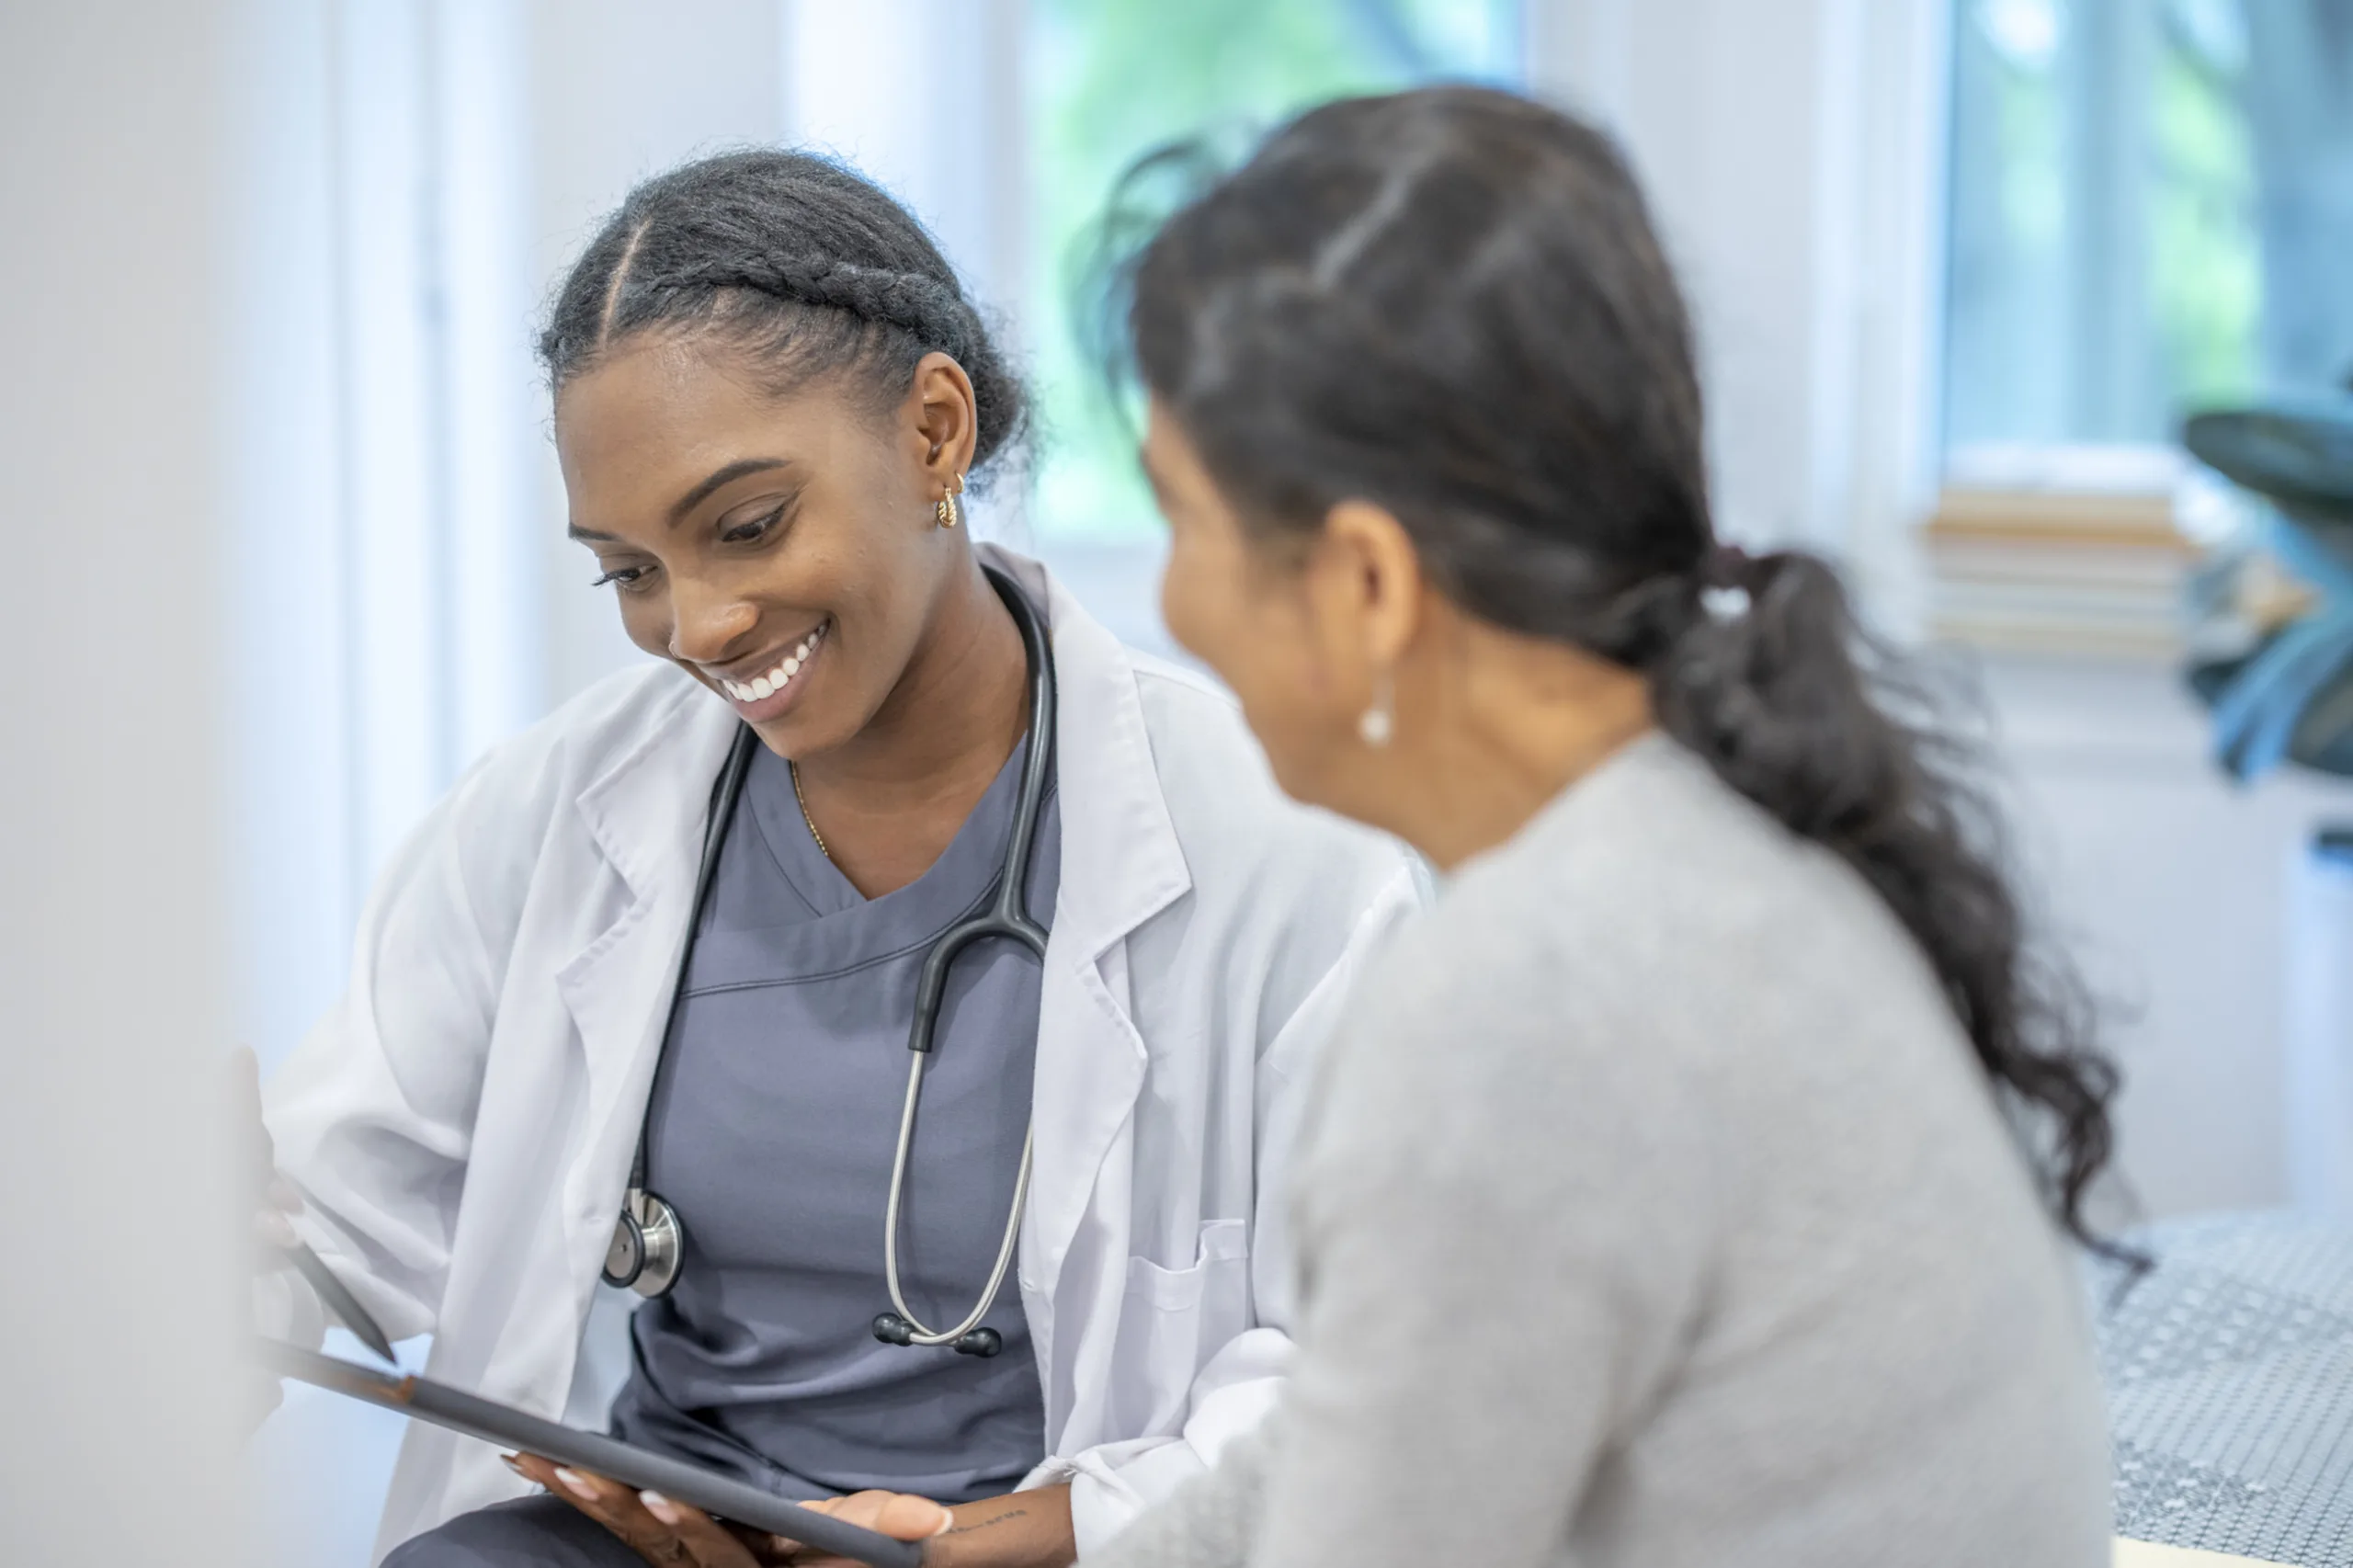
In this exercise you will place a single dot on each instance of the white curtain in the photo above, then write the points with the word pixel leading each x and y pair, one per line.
pixel 383 436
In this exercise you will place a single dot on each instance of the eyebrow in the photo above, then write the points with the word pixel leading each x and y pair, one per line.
pixel 692 498
pixel 718 477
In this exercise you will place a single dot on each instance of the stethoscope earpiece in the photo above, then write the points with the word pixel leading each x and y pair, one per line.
pixel 893 1329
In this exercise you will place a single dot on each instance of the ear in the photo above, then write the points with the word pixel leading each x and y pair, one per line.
pixel 943 419
pixel 1365 581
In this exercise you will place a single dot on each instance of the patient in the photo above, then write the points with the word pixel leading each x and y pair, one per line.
pixel 1696 1182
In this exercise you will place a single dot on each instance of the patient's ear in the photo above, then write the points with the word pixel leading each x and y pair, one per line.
pixel 1364 582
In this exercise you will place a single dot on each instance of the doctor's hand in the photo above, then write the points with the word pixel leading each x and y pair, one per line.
pixel 1027 1530
pixel 674 1535
pixel 667 1534
pixel 1022 1530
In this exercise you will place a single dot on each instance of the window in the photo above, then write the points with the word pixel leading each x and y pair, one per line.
pixel 1108 82
pixel 2152 203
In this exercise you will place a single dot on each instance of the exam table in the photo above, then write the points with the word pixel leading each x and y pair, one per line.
pixel 2229 1383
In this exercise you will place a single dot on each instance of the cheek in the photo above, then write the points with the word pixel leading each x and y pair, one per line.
pixel 646 620
pixel 1220 606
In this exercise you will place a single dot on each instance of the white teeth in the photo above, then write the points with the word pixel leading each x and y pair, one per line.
pixel 774 681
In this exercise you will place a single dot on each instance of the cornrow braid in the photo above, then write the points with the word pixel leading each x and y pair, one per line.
pixel 803 266
pixel 908 300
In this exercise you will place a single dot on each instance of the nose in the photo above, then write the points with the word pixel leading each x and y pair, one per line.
pixel 706 620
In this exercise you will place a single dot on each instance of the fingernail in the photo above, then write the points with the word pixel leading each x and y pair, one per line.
pixel 508 1460
pixel 579 1485
pixel 661 1507
pixel 947 1518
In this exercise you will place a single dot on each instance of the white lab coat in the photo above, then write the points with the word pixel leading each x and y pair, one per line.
pixel 464 1121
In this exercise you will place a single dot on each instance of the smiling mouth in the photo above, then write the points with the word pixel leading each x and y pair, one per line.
pixel 775 680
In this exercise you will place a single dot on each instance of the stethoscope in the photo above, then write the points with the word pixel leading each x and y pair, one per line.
pixel 648 1241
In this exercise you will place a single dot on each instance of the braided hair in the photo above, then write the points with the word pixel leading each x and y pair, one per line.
pixel 803 266
pixel 1452 302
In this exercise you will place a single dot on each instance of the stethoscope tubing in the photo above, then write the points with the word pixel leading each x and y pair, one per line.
pixel 1008 918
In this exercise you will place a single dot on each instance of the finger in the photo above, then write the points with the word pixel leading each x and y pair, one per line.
pixel 592 1495
pixel 900 1515
pixel 618 1509
pixel 764 1549
pixel 908 1517
pixel 594 1491
pixel 784 1549
pixel 539 1472
pixel 860 1508
pixel 708 1543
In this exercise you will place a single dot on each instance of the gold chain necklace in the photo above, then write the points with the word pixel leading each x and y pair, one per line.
pixel 794 768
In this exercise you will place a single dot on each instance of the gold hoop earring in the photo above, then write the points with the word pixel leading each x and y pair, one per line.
pixel 946 511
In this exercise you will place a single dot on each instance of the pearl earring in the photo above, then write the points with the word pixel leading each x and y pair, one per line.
pixel 1378 722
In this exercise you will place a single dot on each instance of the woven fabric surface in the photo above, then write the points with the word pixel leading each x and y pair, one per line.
pixel 2230 1383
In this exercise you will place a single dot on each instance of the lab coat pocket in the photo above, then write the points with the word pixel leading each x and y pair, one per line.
pixel 1171 1322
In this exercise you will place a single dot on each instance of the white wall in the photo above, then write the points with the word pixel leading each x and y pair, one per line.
pixel 2182 892
pixel 117 1431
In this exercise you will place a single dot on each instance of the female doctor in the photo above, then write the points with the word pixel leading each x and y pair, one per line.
pixel 769 393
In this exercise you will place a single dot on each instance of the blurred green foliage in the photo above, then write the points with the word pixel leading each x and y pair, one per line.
pixel 2205 264
pixel 1113 79
pixel 2107 263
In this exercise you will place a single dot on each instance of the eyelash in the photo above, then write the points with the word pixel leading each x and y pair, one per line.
pixel 631 579
pixel 757 529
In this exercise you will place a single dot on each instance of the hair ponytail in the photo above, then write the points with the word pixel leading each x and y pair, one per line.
pixel 1771 694
pixel 1452 302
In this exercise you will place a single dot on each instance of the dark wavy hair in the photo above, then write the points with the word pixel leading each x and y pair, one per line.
pixel 1452 302
pixel 801 266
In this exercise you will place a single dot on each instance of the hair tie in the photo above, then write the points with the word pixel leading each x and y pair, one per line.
pixel 1727 566
pixel 1726 576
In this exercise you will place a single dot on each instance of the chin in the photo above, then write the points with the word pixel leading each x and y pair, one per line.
pixel 1312 781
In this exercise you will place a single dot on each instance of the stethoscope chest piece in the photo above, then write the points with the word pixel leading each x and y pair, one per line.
pixel 647 1247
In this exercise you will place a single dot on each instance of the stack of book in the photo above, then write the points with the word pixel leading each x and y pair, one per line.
pixel 2058 567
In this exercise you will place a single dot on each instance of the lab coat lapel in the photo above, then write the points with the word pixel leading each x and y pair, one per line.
pixel 645 816
pixel 1121 866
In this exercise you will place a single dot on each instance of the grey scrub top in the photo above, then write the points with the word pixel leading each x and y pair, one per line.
pixel 771 1131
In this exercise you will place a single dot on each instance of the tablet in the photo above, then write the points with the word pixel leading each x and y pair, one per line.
pixel 721 1495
